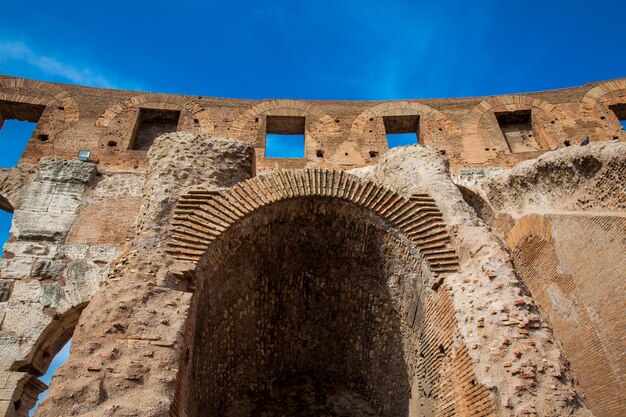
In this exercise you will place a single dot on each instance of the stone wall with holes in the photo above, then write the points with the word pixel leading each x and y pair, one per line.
pixel 564 220
pixel 476 342
pixel 574 267
pixel 69 222
pixel 338 134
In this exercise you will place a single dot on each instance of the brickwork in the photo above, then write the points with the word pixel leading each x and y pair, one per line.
pixel 196 276
pixel 346 134
pixel 574 267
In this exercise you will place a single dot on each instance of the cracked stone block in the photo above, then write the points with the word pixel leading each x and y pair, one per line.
pixel 54 227
pixel 48 269
pixel 16 268
pixel 74 172
pixel 35 249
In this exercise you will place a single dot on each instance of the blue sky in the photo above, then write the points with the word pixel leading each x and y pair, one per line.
pixel 317 50
pixel 312 50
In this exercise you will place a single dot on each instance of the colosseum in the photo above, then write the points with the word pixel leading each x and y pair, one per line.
pixel 477 272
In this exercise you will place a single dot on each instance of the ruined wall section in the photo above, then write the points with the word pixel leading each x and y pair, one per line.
pixel 46 277
pixel 513 350
pixel 562 218
pixel 573 265
pixel 127 345
pixel 589 178
pixel 338 134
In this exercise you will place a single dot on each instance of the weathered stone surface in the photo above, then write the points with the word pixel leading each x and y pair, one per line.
pixel 196 276
pixel 574 178
pixel 486 292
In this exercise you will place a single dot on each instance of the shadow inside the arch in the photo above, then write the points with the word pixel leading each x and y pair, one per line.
pixel 304 314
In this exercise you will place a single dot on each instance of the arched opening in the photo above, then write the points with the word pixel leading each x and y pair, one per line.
pixel 314 307
pixel 58 360
pixel 49 352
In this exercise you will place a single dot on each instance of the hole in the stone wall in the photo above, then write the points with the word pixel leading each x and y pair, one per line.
pixel 284 137
pixel 17 124
pixel 152 123
pixel 620 112
pixel 566 143
pixel 517 129
pixel 196 121
pixel 373 154
pixel 50 351
pixel 57 361
pixel 112 143
pixel 43 137
pixel 319 153
pixel 401 130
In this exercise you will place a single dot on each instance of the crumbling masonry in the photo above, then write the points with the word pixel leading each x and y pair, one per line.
pixel 478 273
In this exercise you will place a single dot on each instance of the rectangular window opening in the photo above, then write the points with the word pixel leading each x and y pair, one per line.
pixel 620 112
pixel 517 128
pixel 17 124
pixel 401 130
pixel 284 137
pixel 152 123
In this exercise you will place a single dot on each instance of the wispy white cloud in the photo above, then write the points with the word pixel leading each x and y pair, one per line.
pixel 51 66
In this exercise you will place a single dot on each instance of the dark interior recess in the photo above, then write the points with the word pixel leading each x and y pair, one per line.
pixel 401 124
pixel 619 110
pixel 24 112
pixel 285 125
pixel 152 123
pixel 517 129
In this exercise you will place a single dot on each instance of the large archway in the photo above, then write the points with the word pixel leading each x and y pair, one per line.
pixel 306 313
pixel 314 292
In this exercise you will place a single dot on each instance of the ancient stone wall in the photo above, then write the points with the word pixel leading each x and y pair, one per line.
pixel 195 275
pixel 562 218
pixel 338 134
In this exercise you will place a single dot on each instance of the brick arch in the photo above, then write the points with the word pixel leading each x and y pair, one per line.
pixel 159 101
pixel 283 107
pixel 202 216
pixel 37 92
pixel 476 147
pixel 595 102
pixel 506 102
pixel 596 93
pixel 402 108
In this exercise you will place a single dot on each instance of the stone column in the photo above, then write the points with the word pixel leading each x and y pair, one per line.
pixel 512 347
pixel 43 281
pixel 128 342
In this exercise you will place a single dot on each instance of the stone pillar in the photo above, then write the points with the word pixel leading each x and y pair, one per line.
pixel 512 347
pixel 43 281
pixel 128 343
